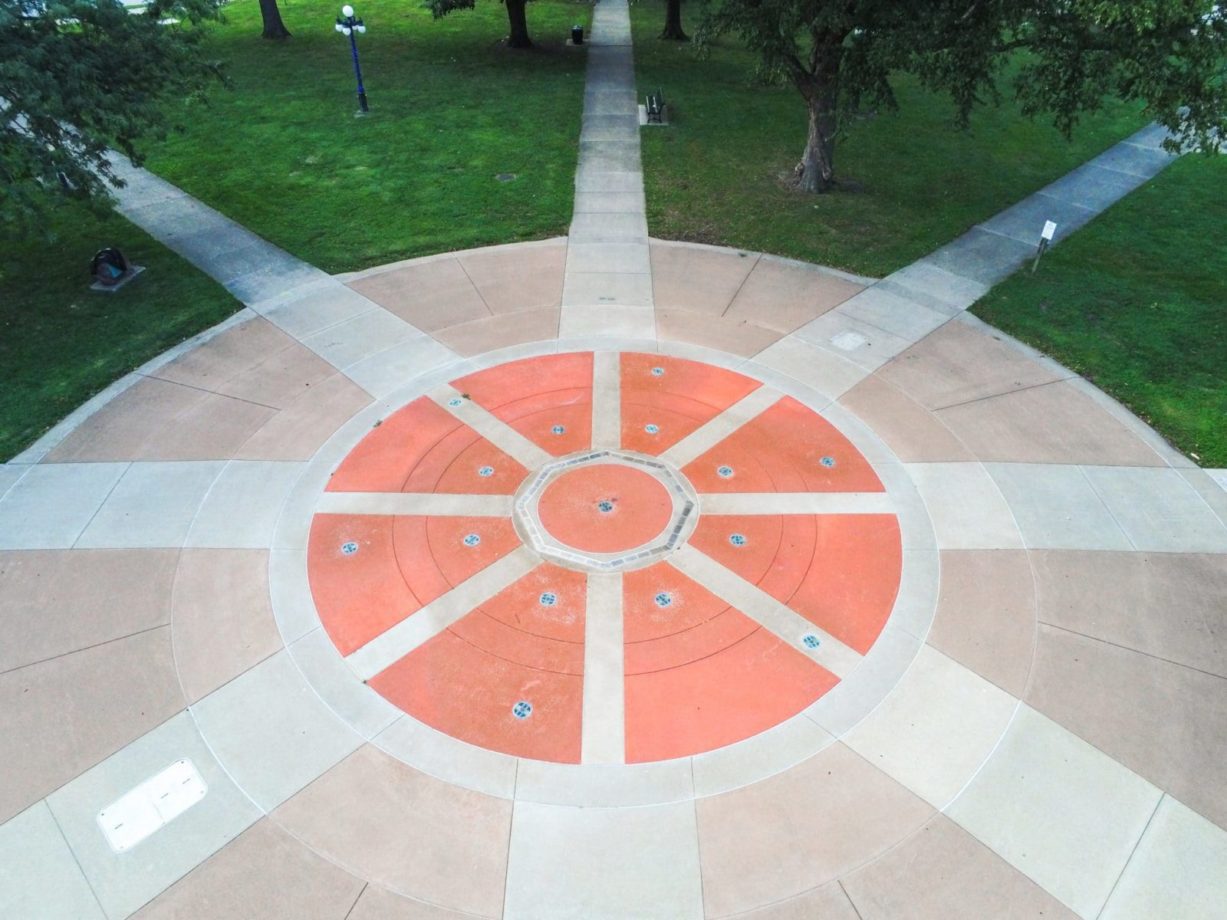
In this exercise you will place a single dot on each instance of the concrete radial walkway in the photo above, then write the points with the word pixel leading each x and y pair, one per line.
pixel 934 628
pixel 608 274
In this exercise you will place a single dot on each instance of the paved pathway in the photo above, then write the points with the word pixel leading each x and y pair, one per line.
pixel 1035 725
pixel 608 282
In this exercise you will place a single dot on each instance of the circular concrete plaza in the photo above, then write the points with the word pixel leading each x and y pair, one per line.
pixel 440 599
pixel 726 552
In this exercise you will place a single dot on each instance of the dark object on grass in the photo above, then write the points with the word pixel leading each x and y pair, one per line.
pixel 656 107
pixel 111 270
pixel 108 267
pixel 577 35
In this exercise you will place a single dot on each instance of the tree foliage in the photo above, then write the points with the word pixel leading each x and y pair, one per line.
pixel 517 20
pixel 1068 57
pixel 79 78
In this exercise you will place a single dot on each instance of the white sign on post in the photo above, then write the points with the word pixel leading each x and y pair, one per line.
pixel 1049 231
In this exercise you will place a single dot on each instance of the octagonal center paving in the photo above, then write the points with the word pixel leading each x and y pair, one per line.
pixel 623 515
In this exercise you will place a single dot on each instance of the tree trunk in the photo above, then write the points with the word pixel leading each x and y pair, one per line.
pixel 519 24
pixel 673 22
pixel 816 171
pixel 274 28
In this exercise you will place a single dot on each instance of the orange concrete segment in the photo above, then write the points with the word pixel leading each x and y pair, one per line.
pixel 424 448
pixel 358 589
pixel 549 602
pixel 733 694
pixel 670 620
pixel 605 508
pixel 369 572
pixel 434 554
pixel 483 699
pixel 507 383
pixel 674 395
pixel 647 616
pixel 798 541
pixel 653 427
pixel 514 644
pixel 524 645
pixel 839 571
pixel 647 376
pixel 546 399
pixel 851 585
pixel 558 422
pixel 807 454
pixel 755 546
pixel 537 622
pixel 464 463
pixel 383 459
pixel 700 674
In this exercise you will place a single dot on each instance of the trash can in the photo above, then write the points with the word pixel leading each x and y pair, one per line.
pixel 577 35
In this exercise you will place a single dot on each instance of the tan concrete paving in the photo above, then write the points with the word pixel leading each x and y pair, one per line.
pixel 299 430
pixel 1052 423
pixel 1038 732
pixel 486 334
pixel 828 901
pixel 784 295
pixel 1120 650
pixel 160 420
pixel 943 871
pixel 731 336
pixel 986 616
pixel 799 829
pixel 60 717
pixel 1165 605
pixel 221 616
pixel 264 873
pixel 698 279
pixel 57 602
pixel 958 364
pixel 1166 722
pixel 915 434
pixel 377 903
pixel 406 831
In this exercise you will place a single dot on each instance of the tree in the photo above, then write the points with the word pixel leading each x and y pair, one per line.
pixel 1069 56
pixel 274 28
pixel 673 22
pixel 80 77
pixel 516 18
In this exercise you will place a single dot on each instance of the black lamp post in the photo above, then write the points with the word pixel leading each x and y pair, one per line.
pixel 348 24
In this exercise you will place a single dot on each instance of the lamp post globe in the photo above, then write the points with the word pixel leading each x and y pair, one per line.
pixel 349 25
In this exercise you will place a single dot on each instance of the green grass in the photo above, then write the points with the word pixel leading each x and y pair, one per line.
pixel 908 181
pixel 61 343
pixel 1137 303
pixel 452 107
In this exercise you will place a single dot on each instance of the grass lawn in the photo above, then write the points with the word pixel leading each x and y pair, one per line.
pixel 451 108
pixel 61 343
pixel 909 181
pixel 1137 303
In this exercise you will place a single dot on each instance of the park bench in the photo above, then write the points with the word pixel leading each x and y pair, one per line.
pixel 656 107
